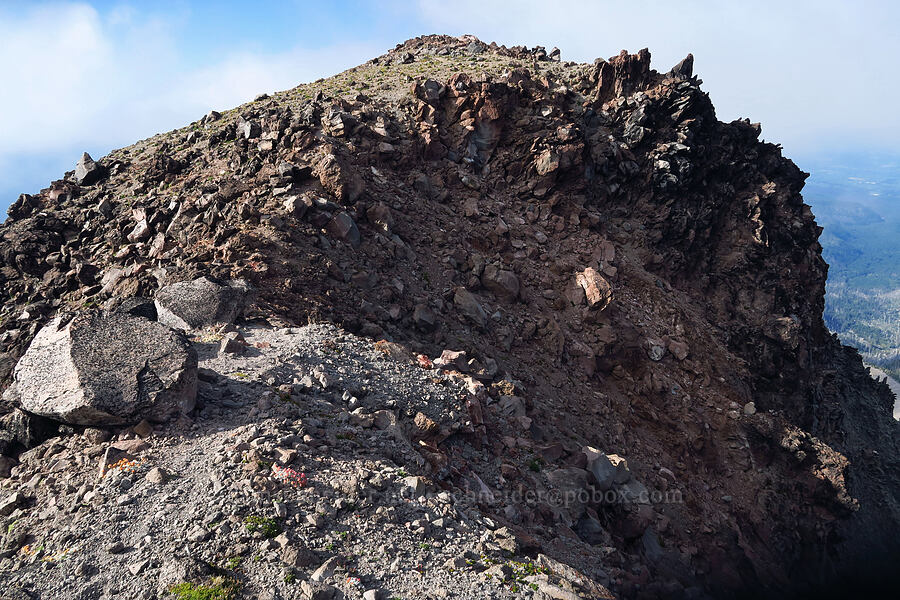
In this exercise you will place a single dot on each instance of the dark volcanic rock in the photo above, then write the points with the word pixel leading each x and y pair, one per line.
pixel 87 172
pixel 103 369
pixel 20 430
pixel 139 307
pixel 202 302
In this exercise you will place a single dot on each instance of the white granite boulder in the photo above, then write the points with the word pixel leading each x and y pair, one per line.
pixel 106 369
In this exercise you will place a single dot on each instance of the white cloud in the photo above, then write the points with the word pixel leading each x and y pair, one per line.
pixel 75 79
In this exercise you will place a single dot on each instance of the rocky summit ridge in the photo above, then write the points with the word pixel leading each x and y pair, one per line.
pixel 464 321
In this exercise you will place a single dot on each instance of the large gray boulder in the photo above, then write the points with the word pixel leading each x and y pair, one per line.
pixel 106 369
pixel 202 302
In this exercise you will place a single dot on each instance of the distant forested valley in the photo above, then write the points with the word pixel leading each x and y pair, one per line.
pixel 856 199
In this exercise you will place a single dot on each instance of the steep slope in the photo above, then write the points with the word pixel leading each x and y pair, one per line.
pixel 648 274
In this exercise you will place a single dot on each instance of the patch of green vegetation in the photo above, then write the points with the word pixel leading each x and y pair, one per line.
pixel 269 528
pixel 217 588
pixel 536 464
pixel 233 563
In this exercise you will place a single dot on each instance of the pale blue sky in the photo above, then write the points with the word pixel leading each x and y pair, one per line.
pixel 820 76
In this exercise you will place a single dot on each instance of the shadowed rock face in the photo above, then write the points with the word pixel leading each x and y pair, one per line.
pixel 202 302
pixel 642 269
pixel 111 369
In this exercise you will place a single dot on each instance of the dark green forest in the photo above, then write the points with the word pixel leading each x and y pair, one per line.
pixel 856 199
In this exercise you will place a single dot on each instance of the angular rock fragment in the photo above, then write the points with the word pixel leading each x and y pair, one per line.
pixel 380 216
pixel 232 343
pixel 344 228
pixel 469 306
pixel 596 288
pixel 424 318
pixel 607 469
pixel 88 172
pixel 679 349
pixel 202 302
pixel 656 349
pixel 504 284
pixel 326 570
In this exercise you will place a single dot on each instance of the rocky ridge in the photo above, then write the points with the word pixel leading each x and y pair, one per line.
pixel 637 287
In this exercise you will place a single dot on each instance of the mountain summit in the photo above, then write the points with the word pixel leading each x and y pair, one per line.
pixel 462 321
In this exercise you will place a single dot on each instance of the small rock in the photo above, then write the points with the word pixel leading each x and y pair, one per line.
pixel 157 475
pixel 316 520
pixel 295 206
pixel 503 284
pixel 202 302
pixel 344 228
pixel 295 556
pixel 137 567
pixel 596 289
pixel 424 318
pixel 11 503
pixel 326 570
pixel 414 486
pixel 286 455
pixel 466 302
pixel 380 216
pixel 232 343
pixel 116 548
pixel 547 162
pixel 198 534
pixel 607 469
pixel 143 429
pixel 655 349
pixel 318 591
pixel 678 349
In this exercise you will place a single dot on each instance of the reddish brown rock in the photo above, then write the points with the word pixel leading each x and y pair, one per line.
pixel 596 289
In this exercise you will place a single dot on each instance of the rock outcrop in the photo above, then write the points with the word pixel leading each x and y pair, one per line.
pixel 87 171
pixel 106 369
